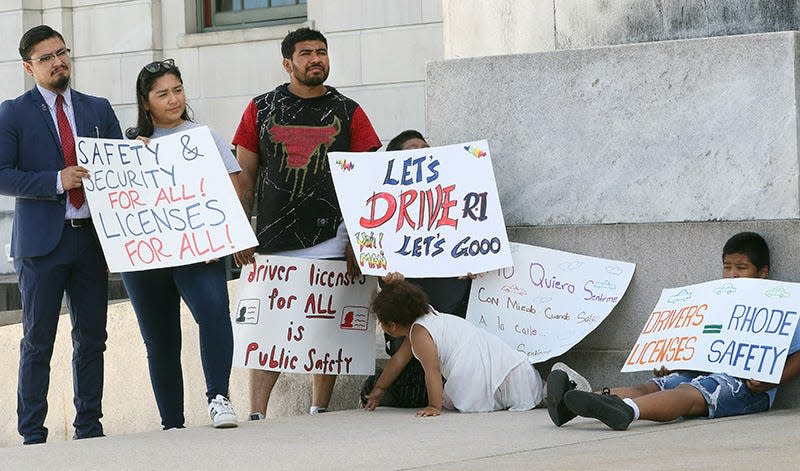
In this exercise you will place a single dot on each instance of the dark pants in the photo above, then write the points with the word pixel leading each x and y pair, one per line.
pixel 155 295
pixel 76 266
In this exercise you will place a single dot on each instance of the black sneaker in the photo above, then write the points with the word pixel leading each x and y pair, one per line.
pixel 558 384
pixel 609 409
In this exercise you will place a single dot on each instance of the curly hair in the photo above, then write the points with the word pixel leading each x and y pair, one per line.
pixel 400 302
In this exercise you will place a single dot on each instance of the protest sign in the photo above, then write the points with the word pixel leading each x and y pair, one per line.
pixel 164 204
pixel 549 300
pixel 304 316
pixel 740 326
pixel 431 212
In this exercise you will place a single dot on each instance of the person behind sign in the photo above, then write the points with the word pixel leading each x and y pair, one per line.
pixel 447 295
pixel 53 243
pixel 156 294
pixel 672 395
pixel 284 137
pixel 481 372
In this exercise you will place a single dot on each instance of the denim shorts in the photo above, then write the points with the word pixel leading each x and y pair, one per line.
pixel 724 394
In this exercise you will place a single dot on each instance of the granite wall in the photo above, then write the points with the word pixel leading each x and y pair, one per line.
pixel 651 153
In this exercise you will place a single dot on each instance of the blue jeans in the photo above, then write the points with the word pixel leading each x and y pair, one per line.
pixel 724 394
pixel 155 295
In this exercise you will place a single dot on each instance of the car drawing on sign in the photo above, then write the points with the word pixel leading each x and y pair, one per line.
pixel 605 284
pixel 575 265
pixel 777 292
pixel 680 296
pixel 514 289
pixel 727 288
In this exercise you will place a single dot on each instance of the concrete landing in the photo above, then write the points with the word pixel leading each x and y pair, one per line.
pixel 395 439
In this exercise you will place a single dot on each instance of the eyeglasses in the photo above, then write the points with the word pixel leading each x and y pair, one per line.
pixel 47 59
pixel 154 67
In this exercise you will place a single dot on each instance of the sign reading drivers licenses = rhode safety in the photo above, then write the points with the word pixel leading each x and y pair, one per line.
pixel 431 212
pixel 304 316
pixel 166 203
pixel 740 326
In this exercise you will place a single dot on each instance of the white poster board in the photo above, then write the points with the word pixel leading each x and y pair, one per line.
pixel 549 300
pixel 740 326
pixel 165 204
pixel 304 316
pixel 431 212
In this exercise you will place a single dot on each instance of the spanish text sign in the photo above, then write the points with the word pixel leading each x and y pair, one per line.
pixel 304 316
pixel 740 326
pixel 431 212
pixel 549 300
pixel 164 204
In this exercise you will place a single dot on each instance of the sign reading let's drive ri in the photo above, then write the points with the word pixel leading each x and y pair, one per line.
pixel 425 212
pixel 741 326
pixel 164 204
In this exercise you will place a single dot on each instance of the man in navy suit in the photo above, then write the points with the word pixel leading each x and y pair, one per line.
pixel 53 243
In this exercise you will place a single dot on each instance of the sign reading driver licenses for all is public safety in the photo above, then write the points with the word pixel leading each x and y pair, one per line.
pixel 164 204
pixel 304 316
pixel 431 212
pixel 740 326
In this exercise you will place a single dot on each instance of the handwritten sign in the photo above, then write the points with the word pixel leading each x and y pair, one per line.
pixel 168 203
pixel 740 326
pixel 425 212
pixel 549 300
pixel 304 316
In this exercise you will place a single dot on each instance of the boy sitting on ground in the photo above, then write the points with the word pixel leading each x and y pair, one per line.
pixel 683 393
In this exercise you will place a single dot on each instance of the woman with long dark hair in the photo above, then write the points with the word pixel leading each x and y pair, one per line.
pixel 156 294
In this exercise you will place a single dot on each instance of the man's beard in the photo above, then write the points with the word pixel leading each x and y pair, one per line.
pixel 311 81
pixel 61 82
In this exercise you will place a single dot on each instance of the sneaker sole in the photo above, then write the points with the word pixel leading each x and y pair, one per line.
pixel 581 383
pixel 557 387
pixel 607 409
pixel 226 424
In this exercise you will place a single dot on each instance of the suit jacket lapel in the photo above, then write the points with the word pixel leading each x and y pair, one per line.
pixel 44 112
pixel 80 116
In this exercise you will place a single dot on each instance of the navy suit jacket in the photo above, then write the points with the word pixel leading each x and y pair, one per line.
pixel 30 158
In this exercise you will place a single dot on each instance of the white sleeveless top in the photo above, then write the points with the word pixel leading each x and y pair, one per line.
pixel 473 361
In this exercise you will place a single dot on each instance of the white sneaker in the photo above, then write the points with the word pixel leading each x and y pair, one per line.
pixel 581 383
pixel 221 412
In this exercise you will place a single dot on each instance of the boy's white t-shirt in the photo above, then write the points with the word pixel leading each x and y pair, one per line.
pixel 473 362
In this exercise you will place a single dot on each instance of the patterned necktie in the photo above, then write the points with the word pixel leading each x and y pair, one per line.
pixel 76 196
